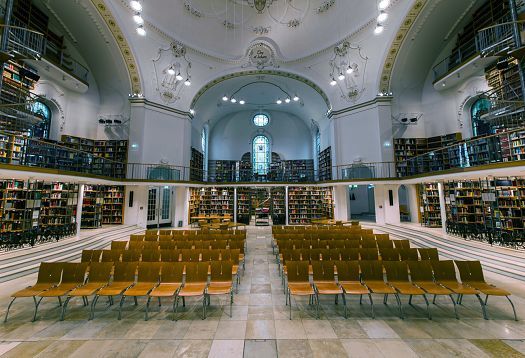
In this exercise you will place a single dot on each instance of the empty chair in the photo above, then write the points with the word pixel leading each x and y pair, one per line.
pixel 324 280
pixel 90 255
pixel 165 238
pixel 219 245
pixel 389 254
pixel 401 244
pixel 110 255
pixel 202 245
pixel 150 256
pixel 409 254
pixel 397 277
pixel 471 273
pixel 73 275
pixel 335 254
pixel 195 284
pixel 385 244
pixel 368 254
pixel 189 255
pixel 299 283
pixel 430 253
pixel 136 237
pixel 369 244
pixel 135 245
pixel 382 237
pixel 352 244
pixel 326 254
pixel 349 280
pixel 221 282
pixel 372 277
pixel 147 280
pixel 49 274
pixel 118 245
pixel 99 275
pixel 214 255
pixel 170 282
pixel 123 278
pixel 169 255
pixel 131 255
pixel 350 254
pixel 167 245
pixel 422 276
pixel 337 244
pixel 151 245
pixel 445 275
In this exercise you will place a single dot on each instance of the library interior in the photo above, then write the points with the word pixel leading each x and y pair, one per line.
pixel 337 174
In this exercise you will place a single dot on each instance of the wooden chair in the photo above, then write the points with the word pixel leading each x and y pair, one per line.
pixel 98 278
pixel 368 254
pixel 221 282
pixel 150 256
pixel 350 254
pixel 170 282
pixel 118 245
pixel 369 243
pixel 471 273
pixel 385 244
pixel 401 244
pixel 382 237
pixel 147 280
pixel 409 254
pixel 348 277
pixel 430 253
pixel 111 255
pixel 214 255
pixel 445 275
pixel 372 277
pixel 299 284
pixel 422 276
pixel 167 245
pixel 49 275
pixel 324 280
pixel 389 254
pixel 137 237
pixel 397 277
pixel 194 285
pixel 90 255
pixel 189 255
pixel 131 255
pixel 123 278
pixel 135 245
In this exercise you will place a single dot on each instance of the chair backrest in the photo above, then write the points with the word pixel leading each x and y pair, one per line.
pixel 111 255
pixel 197 272
pixel 323 270
pixel 184 244
pixel 86 256
pixel 171 272
pixel 470 271
pixel 420 271
pixel 371 270
pixel 221 271
pixel 396 271
pixel 385 244
pixel 348 271
pixel 225 255
pixel 234 255
pixel 118 245
pixel 368 244
pixel 136 237
pixel 350 254
pixel 297 271
pixel 100 271
pixel 368 254
pixel 335 254
pixel 50 272
pixel 148 272
pixel 189 255
pixel 167 245
pixel 70 273
pixel 430 253
pixel 401 244
pixel 151 245
pixel 444 270
pixel 352 244
pixel 409 254
pixel 337 244
pixel 151 255
pixel 136 245
pixel 219 244
pixel 169 255
pixel 382 237
pixel 389 254
pixel 125 271
pixel 131 255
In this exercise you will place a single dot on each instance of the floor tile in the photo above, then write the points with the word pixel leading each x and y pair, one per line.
pixel 260 348
pixel 202 330
pixel 319 330
pixel 293 348
pixel 289 329
pixel 260 329
pixel 227 348
pixel 231 330
pixel 377 329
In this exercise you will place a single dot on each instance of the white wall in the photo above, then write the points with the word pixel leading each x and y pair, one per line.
pixel 386 213
pixel 137 214
pixel 231 136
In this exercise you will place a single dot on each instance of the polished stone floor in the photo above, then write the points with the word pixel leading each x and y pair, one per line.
pixel 260 326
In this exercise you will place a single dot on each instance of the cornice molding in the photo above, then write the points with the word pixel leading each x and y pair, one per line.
pixel 143 102
pixel 378 100
pixel 125 50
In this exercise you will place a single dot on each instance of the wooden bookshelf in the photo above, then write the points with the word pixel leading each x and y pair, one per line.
pixel 325 164
pixel 463 202
pixel 244 205
pixel 196 165
pixel 308 203
pixel 113 205
pixel 430 214
pixel 278 205
pixel 92 207
pixel 11 149
pixel 223 171
pixel 59 204
pixel 211 201
pixel 20 205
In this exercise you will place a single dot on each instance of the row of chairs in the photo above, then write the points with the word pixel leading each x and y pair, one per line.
pixel 129 280
pixel 276 229
pixel 358 235
pixel 411 278
pixel 193 233
pixel 341 244
pixel 183 244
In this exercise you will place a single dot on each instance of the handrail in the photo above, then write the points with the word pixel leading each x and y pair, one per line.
pixel 22 28
pixel 501 24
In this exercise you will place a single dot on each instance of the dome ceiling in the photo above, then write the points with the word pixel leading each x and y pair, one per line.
pixel 225 28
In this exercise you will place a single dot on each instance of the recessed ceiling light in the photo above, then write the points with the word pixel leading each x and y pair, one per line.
pixel 287 100
pixel 187 82
pixel 349 70
pixel 296 98
pixel 279 101
pixel 379 29
pixel 138 19
pixel 341 77
pixel 225 98
pixel 192 111
pixel 383 4
pixel 141 31
pixel 135 5
pixel 233 100
pixel 179 77
pixel 382 16
pixel 333 82
pixel 242 101
pixel 171 71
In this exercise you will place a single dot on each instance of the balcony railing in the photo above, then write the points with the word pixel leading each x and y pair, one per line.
pixel 497 39
pixel 23 43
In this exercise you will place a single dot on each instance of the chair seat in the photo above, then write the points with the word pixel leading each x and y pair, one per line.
pixel 300 289
pixel 433 288
pixel 328 288
pixel 87 290
pixel 488 289
pixel 140 289
pixel 354 288
pixel 380 287
pixel 219 288
pixel 61 290
pixel 33 290
pixel 193 289
pixel 165 290
pixel 459 288
pixel 235 269
pixel 114 289
pixel 406 288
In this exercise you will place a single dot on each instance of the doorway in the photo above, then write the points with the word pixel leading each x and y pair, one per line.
pixel 404 206
pixel 159 207
pixel 362 202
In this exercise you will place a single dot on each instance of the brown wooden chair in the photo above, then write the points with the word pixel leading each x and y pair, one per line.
pixel 221 282
pixel 190 255
pixel 348 277
pixel 195 284
pixel 150 256
pixel 111 255
pixel 131 255
pixel 409 254
pixel 137 237
pixel 167 245
pixel 385 244
pixel 471 273
pixel 299 283
pixel 123 278
pixel 429 253
pixel 372 277
pixel 147 280
pixel 401 244
pixel 98 278
pixel 370 243
pixel 324 280
pixel 90 255
pixel 171 274
pixel 389 254
pixel 397 277
pixel 118 245
pixel 368 254
pixel 49 275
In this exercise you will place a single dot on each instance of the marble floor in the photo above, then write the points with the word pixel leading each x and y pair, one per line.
pixel 260 326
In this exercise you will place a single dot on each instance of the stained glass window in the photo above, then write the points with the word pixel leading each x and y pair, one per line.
pixel 261 155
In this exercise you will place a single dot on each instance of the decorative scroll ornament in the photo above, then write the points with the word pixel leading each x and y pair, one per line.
pixel 347 69
pixel 261 56
pixel 260 5
pixel 172 72
pixel 325 6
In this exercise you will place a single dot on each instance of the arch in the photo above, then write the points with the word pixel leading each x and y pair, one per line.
pixel 261 154
pixel 477 109
pixel 42 129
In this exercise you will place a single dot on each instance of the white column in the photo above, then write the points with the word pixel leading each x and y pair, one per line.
pixel 235 204
pixel 340 193
pixel 379 200
pixel 413 203
pixel 442 208
pixel 80 197
pixel 182 205
pixel 286 203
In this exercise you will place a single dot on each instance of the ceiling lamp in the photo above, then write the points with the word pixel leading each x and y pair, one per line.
pixel 383 4
pixel 192 111
pixel 187 82
pixel 379 29
pixel 333 82
pixel 171 71
pixel 225 98
pixel 279 101
pixel 341 77
pixel 295 98
pixel 382 16
pixel 242 101
pixel 141 31
pixel 135 5
pixel 138 19
pixel 179 77
pixel 233 100
pixel 349 70
pixel 287 100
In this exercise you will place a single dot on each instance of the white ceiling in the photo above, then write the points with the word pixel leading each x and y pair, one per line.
pixel 207 32
pixel 260 93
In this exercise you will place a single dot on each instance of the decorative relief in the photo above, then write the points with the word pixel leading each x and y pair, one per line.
pixel 172 69
pixel 325 6
pixel 261 30
pixel 261 56
pixel 192 10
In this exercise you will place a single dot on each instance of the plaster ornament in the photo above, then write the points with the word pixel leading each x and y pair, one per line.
pixel 261 55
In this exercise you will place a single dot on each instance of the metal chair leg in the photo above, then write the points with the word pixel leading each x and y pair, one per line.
pixel 120 306
pixel 385 299
pixel 147 308
pixel 372 305
pixel 93 304
pixel 486 299
pixel 398 299
pixel 434 300
pixel 513 308
pixel 37 303
pixel 231 304
pixel 410 300
pixel 290 300
pixel 344 302
pixel 428 307
pixel 64 307
pixel 317 306
pixel 483 308
pixel 455 306
pixel 59 301
pixel 135 299
pixel 360 299
pixel 204 307
pixel 8 308
pixel 175 306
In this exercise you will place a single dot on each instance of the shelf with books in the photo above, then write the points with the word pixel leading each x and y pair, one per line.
pixel 244 205
pixel 325 164
pixel 211 201
pixel 92 207
pixel 196 165
pixel 113 205
pixel 59 204
pixel 430 208
pixel 278 195
pixel 308 203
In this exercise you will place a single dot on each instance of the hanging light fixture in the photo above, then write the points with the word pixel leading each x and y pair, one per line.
pixel 135 5
pixel 279 101
pixel 192 111
pixel 349 70
pixel 383 4
pixel 187 82
pixel 179 77
pixel 242 101
pixel 233 100
pixel 341 76
pixel 379 29
pixel 171 71
pixel 333 82
pixel 295 98
pixel 382 16
pixel 141 31
pixel 138 18
pixel 287 100
pixel 225 98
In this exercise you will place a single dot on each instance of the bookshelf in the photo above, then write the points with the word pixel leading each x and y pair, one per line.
pixel 20 207
pixel 325 164
pixel 221 171
pixel 278 205
pixel 59 204
pixel 463 201
pixel 430 212
pixel 301 170
pixel 211 201
pixel 244 205
pixel 308 203
pixel 196 165
pixel 92 207
pixel 11 149
pixel 113 205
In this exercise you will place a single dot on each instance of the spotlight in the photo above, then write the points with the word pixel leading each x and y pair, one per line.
pixel 233 100
pixel 192 111
pixel 333 82
pixel 379 29
pixel 102 121
pixel 171 71
pixel 225 98
pixel 179 77
pixel 413 120
pixel 382 16
pixel 404 120
pixel 349 70
pixel 242 101
pixel 383 4
pixel 141 31
pixel 138 18
pixel 109 121
pixel 287 100
pixel 295 98
pixel 187 82
pixel 279 101
pixel 117 121
pixel 135 5
pixel 341 77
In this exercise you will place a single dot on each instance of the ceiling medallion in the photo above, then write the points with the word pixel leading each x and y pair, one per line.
pixel 260 55
pixel 172 71
pixel 347 69
pixel 260 5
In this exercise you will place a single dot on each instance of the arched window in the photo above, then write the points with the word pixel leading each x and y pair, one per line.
pixel 41 130
pixel 318 143
pixel 479 108
pixel 261 155
pixel 261 120
pixel 203 140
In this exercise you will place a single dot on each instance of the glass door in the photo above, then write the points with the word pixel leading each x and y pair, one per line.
pixel 159 206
